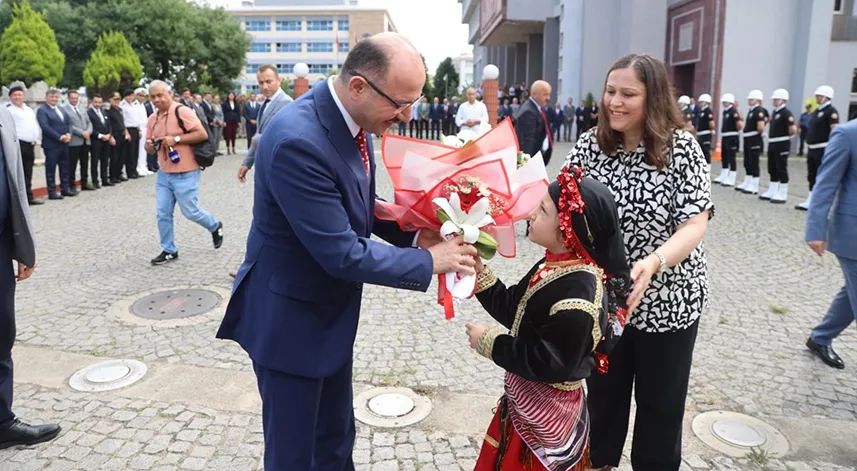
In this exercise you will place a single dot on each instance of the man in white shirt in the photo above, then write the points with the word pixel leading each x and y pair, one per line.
pixel 471 114
pixel 28 133
pixel 135 119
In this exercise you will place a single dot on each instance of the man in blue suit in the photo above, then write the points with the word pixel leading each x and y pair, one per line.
pixel 251 114
pixel 56 136
pixel 296 300
pixel 435 117
pixel 836 188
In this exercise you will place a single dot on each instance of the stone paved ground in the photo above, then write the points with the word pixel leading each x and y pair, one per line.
pixel 768 290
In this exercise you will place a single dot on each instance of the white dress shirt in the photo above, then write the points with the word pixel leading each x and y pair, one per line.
pixel 134 114
pixel 59 112
pixel 101 117
pixel 26 124
pixel 476 111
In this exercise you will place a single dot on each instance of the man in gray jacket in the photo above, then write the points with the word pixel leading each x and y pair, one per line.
pixel 81 129
pixel 16 243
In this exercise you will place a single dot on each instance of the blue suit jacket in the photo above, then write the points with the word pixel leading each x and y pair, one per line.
pixel 52 126
pixel 435 112
pixel 296 299
pixel 833 207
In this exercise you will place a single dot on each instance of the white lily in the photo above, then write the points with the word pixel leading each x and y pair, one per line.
pixel 452 141
pixel 468 225
pixel 466 136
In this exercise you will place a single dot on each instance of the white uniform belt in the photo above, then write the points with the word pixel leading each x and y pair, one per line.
pixel 728 133
pixel 703 133
pixel 820 145
pixel 779 139
pixel 751 133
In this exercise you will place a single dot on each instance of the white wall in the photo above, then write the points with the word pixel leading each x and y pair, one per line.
pixel 529 10
pixel 601 43
pixel 841 65
pixel 754 53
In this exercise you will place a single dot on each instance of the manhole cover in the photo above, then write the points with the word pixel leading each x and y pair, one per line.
pixel 175 304
pixel 107 375
pixel 391 405
pixel 736 434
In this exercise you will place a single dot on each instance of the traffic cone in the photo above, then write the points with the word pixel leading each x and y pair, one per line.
pixel 716 151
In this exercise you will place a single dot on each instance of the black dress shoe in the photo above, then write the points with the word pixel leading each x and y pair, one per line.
pixel 25 434
pixel 97 186
pixel 134 177
pixel 826 353
pixel 35 202
pixel 88 187
pixel 108 183
pixel 123 178
pixel 54 196
pixel 70 193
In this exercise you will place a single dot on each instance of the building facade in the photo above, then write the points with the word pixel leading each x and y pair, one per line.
pixel 464 67
pixel 316 32
pixel 710 46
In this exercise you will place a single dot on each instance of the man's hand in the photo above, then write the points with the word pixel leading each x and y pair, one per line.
pixel 104 137
pixel 150 148
pixel 112 141
pixel 127 135
pixel 253 122
pixel 86 134
pixel 24 271
pixel 428 239
pixel 474 331
pixel 453 256
pixel 65 138
pixel 242 173
pixel 817 246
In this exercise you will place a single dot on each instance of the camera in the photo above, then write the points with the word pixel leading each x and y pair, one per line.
pixel 156 145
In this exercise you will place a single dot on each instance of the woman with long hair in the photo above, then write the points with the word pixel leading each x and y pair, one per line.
pixel 643 151
pixel 231 117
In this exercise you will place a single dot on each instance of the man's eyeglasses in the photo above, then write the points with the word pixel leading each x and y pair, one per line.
pixel 400 107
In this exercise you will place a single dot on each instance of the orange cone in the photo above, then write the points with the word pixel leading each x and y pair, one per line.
pixel 716 151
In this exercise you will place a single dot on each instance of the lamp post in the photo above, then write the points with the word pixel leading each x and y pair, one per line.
pixel 490 87
pixel 301 82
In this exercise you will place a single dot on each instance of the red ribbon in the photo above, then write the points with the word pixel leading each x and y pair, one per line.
pixel 444 297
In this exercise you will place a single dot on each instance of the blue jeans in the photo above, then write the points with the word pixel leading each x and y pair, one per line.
pixel 843 309
pixel 181 188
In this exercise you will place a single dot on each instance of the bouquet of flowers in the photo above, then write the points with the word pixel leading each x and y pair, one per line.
pixel 473 186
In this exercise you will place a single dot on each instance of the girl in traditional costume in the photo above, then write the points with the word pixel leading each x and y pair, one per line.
pixel 563 317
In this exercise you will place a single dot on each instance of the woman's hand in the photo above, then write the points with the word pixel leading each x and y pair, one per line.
pixel 641 275
pixel 474 331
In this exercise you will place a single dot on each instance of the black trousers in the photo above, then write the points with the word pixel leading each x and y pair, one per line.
pixel 435 129
pixel 705 144
pixel 778 161
pixel 117 156
pixel 78 154
pixel 657 367
pixel 414 126
pixel 802 140
pixel 7 327
pixel 132 152
pixel 752 153
pixel 813 161
pixel 566 126
pixel 729 152
pixel 579 131
pixel 100 160
pixel 424 129
pixel 251 131
pixel 402 128
pixel 28 158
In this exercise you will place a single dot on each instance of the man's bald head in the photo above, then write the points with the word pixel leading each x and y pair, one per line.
pixel 541 92
pixel 372 57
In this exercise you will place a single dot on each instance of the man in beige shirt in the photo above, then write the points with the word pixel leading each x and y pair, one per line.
pixel 179 176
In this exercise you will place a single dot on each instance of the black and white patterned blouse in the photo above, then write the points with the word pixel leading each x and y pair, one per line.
pixel 652 203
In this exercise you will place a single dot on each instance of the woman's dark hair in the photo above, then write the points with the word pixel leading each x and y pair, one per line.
pixel 231 94
pixel 662 116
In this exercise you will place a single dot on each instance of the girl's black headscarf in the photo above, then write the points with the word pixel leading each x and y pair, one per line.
pixel 589 222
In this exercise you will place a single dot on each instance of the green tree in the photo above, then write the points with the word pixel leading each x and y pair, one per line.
pixel 287 86
pixel 589 99
pixel 112 66
pixel 182 42
pixel 446 79
pixel 427 88
pixel 28 48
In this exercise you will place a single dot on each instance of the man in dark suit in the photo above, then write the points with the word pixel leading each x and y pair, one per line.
pixel 56 136
pixel 251 113
pixel 296 301
pixel 533 126
pixel 504 111
pixel 186 98
pixel 119 142
pixel 142 97
pixel 208 108
pixel 453 111
pixel 557 119
pixel 81 129
pixel 435 115
pixel 16 244
pixel 100 138
pixel 445 120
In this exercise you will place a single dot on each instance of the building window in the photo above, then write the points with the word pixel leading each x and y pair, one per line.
pixel 343 46
pixel 854 82
pixel 252 68
pixel 252 89
pixel 260 47
pixel 288 25
pixel 837 7
pixel 320 68
pixel 285 68
pixel 319 25
pixel 257 25
pixel 288 47
pixel 342 25
pixel 319 47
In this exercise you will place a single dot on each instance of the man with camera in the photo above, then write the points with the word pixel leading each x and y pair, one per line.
pixel 179 175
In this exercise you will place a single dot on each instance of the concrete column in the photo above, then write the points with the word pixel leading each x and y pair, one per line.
pixel 535 50
pixel 509 74
pixel 550 58
pixel 301 86
pixel 811 50
pixel 502 59
pixel 520 62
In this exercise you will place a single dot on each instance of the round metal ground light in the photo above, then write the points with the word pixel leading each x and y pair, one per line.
pixel 175 304
pixel 107 375
pixel 391 407
pixel 737 434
